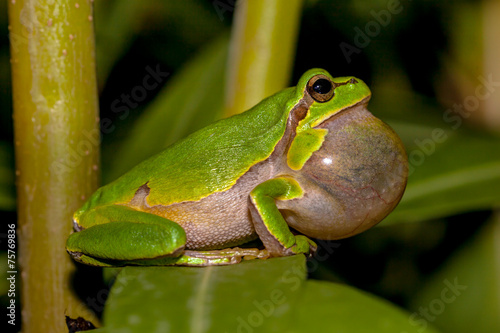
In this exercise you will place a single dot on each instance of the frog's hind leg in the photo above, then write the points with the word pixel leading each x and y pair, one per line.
pixel 188 258
pixel 119 234
pixel 221 257
pixel 206 258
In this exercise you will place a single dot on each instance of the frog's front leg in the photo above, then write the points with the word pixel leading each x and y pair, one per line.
pixel 270 224
pixel 114 234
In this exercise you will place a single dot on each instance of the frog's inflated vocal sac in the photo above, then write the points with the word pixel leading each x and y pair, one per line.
pixel 309 161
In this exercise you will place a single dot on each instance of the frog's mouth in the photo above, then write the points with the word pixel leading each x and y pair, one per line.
pixel 362 104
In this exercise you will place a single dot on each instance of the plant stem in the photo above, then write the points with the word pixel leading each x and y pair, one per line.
pixel 491 24
pixel 261 52
pixel 57 148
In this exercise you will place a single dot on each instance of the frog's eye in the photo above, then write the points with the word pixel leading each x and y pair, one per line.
pixel 321 88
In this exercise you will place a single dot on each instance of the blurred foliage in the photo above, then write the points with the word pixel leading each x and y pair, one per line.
pixel 171 115
pixel 280 299
pixel 420 63
pixel 474 273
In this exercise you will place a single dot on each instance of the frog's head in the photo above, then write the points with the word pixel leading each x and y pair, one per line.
pixel 327 96
pixel 354 158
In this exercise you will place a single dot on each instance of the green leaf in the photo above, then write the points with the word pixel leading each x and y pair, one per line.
pixel 190 100
pixel 464 296
pixel 255 296
pixel 462 174
pixel 333 307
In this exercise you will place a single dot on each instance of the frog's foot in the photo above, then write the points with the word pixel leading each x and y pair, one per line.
pixel 270 224
pixel 303 245
pixel 220 257
pixel 187 258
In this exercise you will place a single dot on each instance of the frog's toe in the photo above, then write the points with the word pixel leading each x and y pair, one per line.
pixel 303 245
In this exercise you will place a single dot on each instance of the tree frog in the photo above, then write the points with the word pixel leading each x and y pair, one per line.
pixel 309 161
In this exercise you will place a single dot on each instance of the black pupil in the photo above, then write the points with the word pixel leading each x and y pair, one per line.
pixel 322 86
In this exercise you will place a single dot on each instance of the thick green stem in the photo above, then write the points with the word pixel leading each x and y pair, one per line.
pixel 261 52
pixel 57 148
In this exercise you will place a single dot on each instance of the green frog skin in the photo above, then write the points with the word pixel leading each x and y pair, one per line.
pixel 309 161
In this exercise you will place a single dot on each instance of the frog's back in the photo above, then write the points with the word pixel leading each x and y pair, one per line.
pixel 209 160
